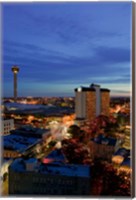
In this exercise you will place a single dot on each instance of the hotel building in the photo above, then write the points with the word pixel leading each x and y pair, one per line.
pixel 91 102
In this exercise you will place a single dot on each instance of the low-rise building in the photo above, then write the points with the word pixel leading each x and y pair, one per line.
pixel 7 126
pixel 102 147
pixel 49 177
pixel 14 146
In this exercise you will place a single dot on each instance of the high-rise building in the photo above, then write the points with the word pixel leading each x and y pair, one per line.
pixel 91 102
pixel 15 70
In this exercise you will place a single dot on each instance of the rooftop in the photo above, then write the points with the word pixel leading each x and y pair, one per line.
pixel 52 168
pixel 29 131
pixel 126 162
pixel 105 140
pixel 123 152
pixel 57 155
pixel 47 110
pixel 92 88
pixel 18 143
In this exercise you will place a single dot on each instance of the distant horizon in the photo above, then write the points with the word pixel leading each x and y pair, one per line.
pixel 111 96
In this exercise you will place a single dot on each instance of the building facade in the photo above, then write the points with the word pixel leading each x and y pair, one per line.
pixel 91 102
pixel 7 126
pixel 29 177
pixel 103 148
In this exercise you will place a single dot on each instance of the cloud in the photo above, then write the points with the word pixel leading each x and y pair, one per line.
pixel 67 43
pixel 40 64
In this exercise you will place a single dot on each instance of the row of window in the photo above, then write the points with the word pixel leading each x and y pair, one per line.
pixel 6 132
pixel 10 154
pixel 43 180
pixel 7 123
pixel 6 129
pixel 17 189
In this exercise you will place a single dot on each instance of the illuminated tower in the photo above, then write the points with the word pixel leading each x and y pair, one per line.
pixel 15 70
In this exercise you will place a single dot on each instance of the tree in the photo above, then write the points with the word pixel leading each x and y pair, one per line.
pixel 108 181
pixel 75 152
pixel 114 183
pixel 104 125
pixel 74 130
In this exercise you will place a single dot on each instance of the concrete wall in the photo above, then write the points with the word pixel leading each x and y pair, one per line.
pixel 105 102
pixel 7 126
pixel 32 183
pixel 80 104
pixel 101 150
pixel 98 99
pixel 91 105
pixel 10 153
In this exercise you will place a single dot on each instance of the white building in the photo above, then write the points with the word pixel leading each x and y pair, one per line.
pixel 7 126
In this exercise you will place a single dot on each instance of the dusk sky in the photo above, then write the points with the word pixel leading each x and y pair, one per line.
pixel 61 46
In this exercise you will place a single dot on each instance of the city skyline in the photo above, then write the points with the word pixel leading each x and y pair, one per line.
pixel 61 46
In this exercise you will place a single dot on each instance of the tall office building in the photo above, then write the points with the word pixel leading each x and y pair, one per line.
pixel 91 102
pixel 15 70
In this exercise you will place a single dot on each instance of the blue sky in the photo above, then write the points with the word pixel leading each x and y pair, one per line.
pixel 61 46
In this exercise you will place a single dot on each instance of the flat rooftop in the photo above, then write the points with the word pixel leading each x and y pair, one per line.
pixel 53 166
pixel 17 142
pixel 29 131
pixel 19 165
